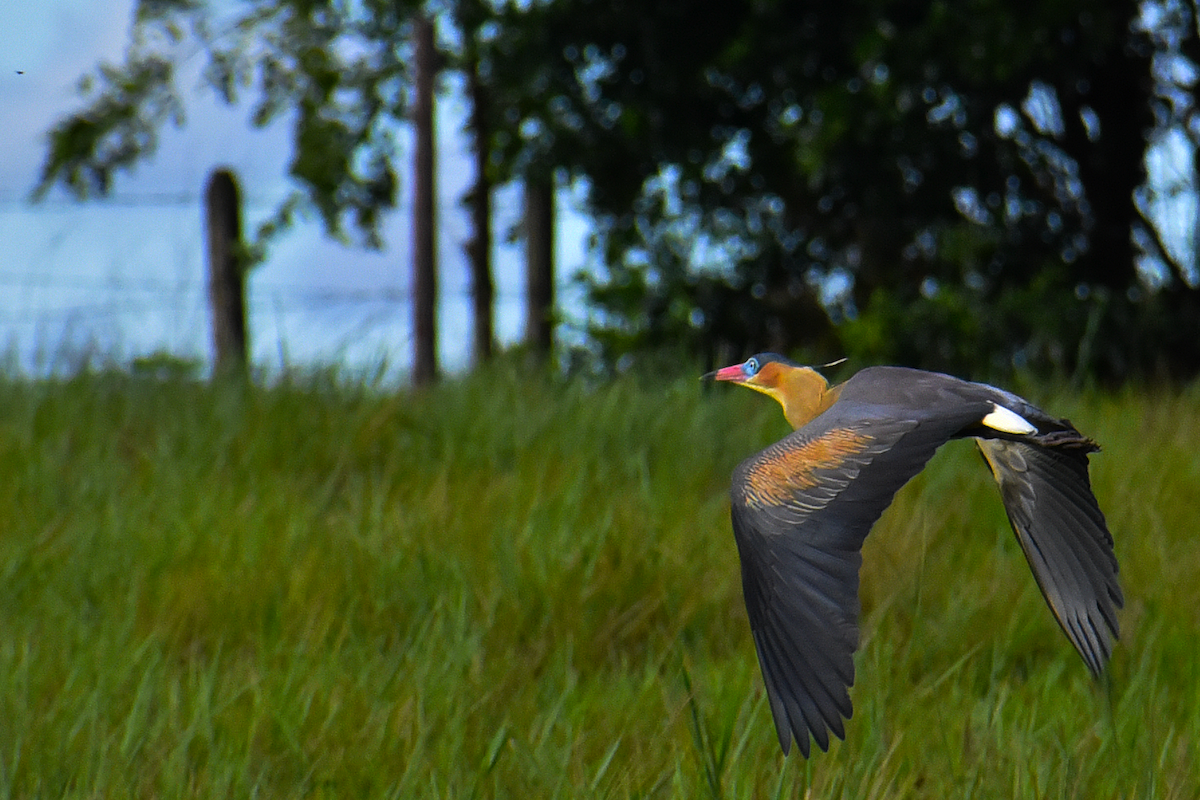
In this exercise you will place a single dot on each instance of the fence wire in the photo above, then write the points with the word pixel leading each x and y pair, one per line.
pixel 127 277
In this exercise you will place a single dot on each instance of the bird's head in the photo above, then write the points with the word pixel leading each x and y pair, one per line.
pixel 800 390
pixel 764 372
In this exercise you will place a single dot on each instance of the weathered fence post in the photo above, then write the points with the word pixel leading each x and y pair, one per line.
pixel 226 273
pixel 539 264
pixel 479 248
pixel 424 279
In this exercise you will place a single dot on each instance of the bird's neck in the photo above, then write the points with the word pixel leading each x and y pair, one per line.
pixel 804 394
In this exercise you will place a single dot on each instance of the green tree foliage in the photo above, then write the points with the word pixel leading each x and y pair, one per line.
pixel 953 185
pixel 944 184
pixel 339 72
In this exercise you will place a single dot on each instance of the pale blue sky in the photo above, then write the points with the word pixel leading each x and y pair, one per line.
pixel 125 275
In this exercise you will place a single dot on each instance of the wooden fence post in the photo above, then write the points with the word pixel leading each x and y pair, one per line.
pixel 479 248
pixel 539 264
pixel 226 273
pixel 424 265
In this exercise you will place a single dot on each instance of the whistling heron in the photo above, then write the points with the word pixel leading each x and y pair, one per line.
pixel 803 506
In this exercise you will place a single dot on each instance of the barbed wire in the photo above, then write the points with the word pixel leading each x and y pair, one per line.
pixel 126 297
pixel 312 293
pixel 52 315
pixel 10 201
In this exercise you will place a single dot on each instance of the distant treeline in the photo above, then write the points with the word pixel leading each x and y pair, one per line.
pixel 955 187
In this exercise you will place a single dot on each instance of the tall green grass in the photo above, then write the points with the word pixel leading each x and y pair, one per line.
pixel 508 586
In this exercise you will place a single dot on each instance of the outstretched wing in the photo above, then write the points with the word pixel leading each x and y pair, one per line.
pixel 1055 516
pixel 801 510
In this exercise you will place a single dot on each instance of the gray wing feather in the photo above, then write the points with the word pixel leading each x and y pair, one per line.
pixel 1060 527
pixel 800 539
pixel 800 563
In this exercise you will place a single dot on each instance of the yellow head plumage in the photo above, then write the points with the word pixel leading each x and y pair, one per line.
pixel 801 390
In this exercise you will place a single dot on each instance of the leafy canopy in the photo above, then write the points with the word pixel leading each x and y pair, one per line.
pixel 953 185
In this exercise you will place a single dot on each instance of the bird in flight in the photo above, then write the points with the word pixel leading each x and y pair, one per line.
pixel 803 506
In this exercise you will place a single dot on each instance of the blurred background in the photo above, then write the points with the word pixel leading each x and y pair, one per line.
pixel 511 584
pixel 984 190
pixel 122 276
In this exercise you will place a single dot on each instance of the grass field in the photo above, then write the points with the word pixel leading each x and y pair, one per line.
pixel 509 586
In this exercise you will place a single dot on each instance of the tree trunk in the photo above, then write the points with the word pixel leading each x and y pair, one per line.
pixel 1114 166
pixel 539 265
pixel 479 249
pixel 226 274
pixel 424 264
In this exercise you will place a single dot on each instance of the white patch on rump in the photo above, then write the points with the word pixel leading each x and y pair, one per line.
pixel 1001 419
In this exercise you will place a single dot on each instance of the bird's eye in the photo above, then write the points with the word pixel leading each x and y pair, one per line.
pixel 751 366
